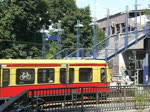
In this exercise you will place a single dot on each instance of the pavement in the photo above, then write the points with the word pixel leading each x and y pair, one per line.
pixel 134 110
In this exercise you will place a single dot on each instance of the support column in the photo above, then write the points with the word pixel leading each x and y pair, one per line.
pixel 145 71
pixel 107 28
pixel 146 65
pixel 43 43
pixel 78 38
pixel 59 40
pixel 94 39
pixel 135 21
pixel 115 28
pixel 126 28
pixel 120 28
pixel 140 18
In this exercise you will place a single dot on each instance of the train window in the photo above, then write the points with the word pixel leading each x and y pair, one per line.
pixel 63 75
pixel 6 77
pixel 46 75
pixel 71 75
pixel 25 76
pixel 103 74
pixel 85 74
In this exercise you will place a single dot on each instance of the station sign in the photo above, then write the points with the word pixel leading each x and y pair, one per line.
pixel 51 38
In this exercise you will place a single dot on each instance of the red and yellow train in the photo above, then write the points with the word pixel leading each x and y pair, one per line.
pixel 17 75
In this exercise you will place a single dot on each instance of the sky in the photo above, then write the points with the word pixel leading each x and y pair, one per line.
pixel 99 7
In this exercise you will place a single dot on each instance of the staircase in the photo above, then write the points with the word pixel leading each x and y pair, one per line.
pixel 118 43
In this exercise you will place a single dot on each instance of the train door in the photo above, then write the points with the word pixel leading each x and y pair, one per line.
pixel 0 81
pixel 71 75
pixel 63 75
pixel 5 77
pixel 103 75
pixel 4 80
pixel 66 75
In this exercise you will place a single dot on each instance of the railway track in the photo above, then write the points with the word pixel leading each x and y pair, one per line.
pixel 111 104
pixel 91 101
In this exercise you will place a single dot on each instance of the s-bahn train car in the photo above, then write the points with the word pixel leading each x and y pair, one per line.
pixel 17 75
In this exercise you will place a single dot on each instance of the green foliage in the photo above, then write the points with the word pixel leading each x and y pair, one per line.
pixel 51 48
pixel 147 13
pixel 16 51
pixel 20 20
pixel 60 8
pixel 86 31
pixel 67 12
pixel 140 97
pixel 100 35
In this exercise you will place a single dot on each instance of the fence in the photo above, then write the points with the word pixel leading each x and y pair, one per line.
pixel 81 99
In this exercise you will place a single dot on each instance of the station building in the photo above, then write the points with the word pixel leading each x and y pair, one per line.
pixel 133 62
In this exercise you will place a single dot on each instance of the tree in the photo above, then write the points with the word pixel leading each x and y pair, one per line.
pixel 86 32
pixel 20 21
pixel 100 38
pixel 67 12
pixel 147 13
pixel 64 11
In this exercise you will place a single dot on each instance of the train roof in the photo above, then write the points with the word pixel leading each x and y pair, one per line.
pixel 46 61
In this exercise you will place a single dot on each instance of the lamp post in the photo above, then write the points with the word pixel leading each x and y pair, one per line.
pixel 78 26
pixel 126 27
pixel 135 21
pixel 59 30
pixel 107 33
pixel 43 43
pixel 107 28
pixel 93 24
pixel 44 33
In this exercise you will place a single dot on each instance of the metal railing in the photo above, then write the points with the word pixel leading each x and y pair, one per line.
pixel 82 99
pixel 65 52
pixel 139 64
pixel 117 45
